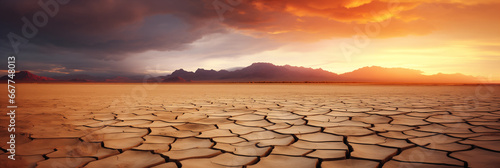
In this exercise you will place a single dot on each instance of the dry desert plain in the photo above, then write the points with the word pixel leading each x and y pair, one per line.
pixel 253 125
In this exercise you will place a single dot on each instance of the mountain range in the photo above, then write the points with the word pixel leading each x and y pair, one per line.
pixel 267 72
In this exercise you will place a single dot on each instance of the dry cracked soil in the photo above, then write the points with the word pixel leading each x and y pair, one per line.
pixel 253 126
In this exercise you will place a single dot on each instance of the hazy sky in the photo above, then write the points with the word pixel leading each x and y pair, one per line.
pixel 158 36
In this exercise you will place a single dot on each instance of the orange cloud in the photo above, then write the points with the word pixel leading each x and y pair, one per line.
pixel 312 20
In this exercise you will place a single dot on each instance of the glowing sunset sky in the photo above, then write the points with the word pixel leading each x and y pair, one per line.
pixel 125 37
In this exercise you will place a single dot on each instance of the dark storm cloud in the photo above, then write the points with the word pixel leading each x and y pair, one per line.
pixel 112 29
pixel 56 63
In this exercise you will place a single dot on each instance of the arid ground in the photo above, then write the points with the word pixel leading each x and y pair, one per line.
pixel 253 125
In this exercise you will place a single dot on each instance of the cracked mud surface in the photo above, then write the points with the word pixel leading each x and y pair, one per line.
pixel 243 125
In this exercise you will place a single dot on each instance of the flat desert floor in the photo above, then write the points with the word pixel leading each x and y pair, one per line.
pixel 253 126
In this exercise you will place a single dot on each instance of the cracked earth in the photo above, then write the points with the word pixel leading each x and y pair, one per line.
pixel 254 126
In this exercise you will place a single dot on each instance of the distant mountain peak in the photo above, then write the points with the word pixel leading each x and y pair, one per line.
pixel 24 72
pixel 262 64
pixel 26 76
pixel 203 70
